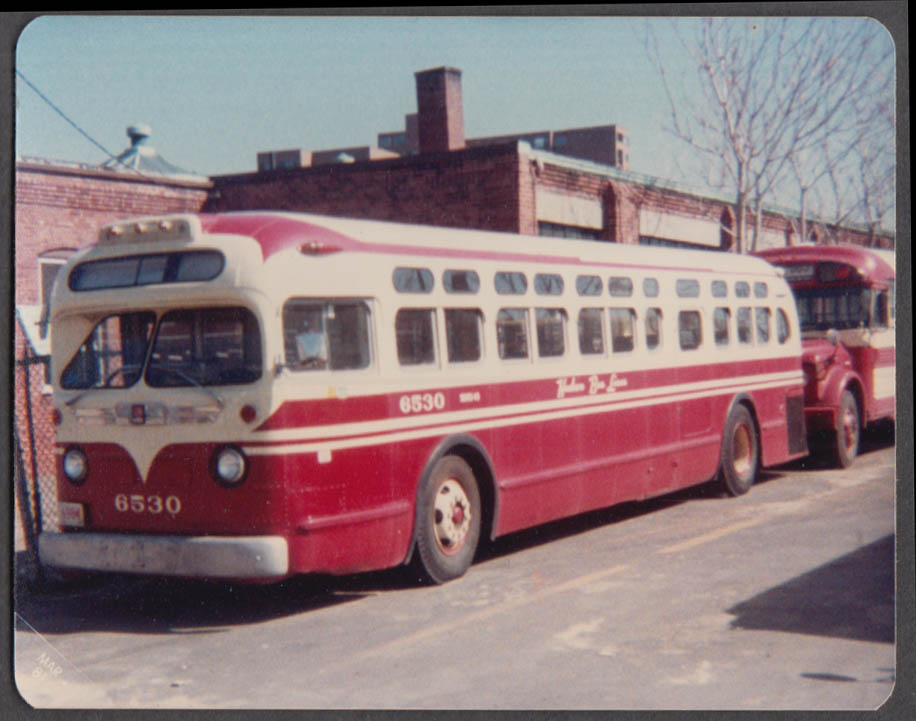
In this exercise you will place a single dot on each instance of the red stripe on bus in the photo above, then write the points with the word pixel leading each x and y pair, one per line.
pixel 333 411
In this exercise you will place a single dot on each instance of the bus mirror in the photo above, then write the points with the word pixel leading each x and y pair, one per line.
pixel 833 337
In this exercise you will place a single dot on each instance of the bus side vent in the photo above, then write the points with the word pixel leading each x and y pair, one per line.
pixel 795 424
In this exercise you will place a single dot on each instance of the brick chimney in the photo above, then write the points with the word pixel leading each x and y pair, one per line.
pixel 439 110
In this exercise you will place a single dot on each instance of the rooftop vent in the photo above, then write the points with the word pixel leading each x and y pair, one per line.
pixel 142 157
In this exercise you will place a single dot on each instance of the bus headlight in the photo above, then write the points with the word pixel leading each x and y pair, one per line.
pixel 229 466
pixel 76 466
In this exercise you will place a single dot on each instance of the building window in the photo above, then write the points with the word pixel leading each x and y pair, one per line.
pixel 667 243
pixel 49 265
pixel 557 230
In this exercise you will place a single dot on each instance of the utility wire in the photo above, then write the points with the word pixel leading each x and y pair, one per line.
pixel 86 135
pixel 64 116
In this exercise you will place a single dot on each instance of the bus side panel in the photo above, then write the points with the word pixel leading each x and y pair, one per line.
pixel 587 462
pixel 351 510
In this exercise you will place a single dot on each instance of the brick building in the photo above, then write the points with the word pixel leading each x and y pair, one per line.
pixel 573 183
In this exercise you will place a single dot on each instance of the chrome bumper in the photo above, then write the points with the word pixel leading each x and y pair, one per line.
pixel 192 556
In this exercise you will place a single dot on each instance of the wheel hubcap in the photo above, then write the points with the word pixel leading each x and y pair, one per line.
pixel 452 516
pixel 742 452
pixel 850 430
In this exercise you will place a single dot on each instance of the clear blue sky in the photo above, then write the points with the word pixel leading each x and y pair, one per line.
pixel 218 90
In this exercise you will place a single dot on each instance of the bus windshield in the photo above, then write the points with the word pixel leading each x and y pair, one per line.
pixel 190 347
pixel 838 308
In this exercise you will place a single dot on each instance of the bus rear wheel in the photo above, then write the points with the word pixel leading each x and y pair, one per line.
pixel 448 521
pixel 739 454
pixel 845 441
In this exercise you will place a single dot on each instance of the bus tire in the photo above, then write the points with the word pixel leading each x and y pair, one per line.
pixel 740 450
pixel 845 440
pixel 448 521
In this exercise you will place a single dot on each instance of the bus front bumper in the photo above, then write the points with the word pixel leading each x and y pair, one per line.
pixel 189 556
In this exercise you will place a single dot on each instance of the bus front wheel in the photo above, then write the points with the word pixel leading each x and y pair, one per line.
pixel 845 441
pixel 448 520
pixel 739 455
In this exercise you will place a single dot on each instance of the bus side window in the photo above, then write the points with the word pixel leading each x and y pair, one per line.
pixel 880 316
pixel 512 333
pixel 690 330
pixel 415 332
pixel 462 333
pixel 591 331
pixel 623 323
pixel 551 332
pixel 744 326
pixel 782 326
pixel 892 298
pixel 653 328
pixel 762 318
pixel 322 335
pixel 721 319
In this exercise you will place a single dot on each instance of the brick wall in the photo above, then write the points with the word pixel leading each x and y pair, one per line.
pixel 60 207
pixel 474 188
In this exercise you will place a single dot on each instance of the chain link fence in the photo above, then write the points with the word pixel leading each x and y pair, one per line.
pixel 34 475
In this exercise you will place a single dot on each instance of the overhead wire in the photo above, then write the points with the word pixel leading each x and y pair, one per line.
pixel 56 109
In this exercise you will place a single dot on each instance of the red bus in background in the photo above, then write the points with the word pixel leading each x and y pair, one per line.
pixel 846 306
pixel 255 395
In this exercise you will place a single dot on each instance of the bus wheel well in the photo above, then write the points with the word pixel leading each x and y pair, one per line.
pixel 855 387
pixel 478 462
pixel 748 402
pixel 739 454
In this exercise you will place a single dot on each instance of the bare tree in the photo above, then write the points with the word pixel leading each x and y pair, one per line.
pixel 774 104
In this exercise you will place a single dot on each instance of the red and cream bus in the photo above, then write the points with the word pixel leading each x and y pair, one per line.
pixel 846 306
pixel 256 395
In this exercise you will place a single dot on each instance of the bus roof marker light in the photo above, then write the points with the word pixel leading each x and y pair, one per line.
pixel 316 247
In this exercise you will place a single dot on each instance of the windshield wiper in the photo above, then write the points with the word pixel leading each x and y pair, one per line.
pixel 185 377
pixel 107 382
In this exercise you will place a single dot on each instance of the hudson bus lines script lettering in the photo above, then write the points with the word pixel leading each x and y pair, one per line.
pixel 595 385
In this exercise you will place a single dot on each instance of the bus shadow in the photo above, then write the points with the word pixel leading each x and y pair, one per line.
pixel 852 597
pixel 591 520
pixel 127 604
pixel 877 437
